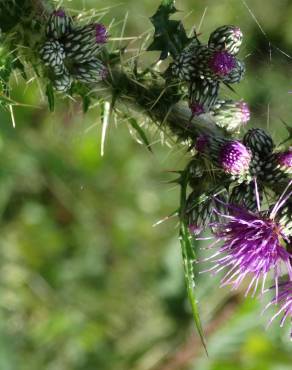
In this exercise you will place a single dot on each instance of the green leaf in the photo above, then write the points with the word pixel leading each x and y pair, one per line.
pixel 140 132
pixel 51 97
pixel 189 257
pixel 170 36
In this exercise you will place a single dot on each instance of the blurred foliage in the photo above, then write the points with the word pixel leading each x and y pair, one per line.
pixel 86 281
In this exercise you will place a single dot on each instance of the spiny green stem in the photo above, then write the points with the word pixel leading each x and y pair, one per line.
pixel 156 101
pixel 153 99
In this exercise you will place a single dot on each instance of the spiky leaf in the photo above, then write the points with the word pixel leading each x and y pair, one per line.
pixel 188 254
pixel 170 36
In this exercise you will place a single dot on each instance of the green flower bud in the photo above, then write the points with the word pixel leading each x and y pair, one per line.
pixel 226 38
pixel 231 115
pixel 90 72
pixel 59 24
pixel 201 62
pixel 63 82
pixel 82 44
pixel 244 195
pixel 203 209
pixel 236 74
pixel 278 167
pixel 202 95
pixel 53 55
pixel 259 141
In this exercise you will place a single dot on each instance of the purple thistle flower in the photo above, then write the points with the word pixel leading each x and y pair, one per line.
pixel 222 63
pixel 100 33
pixel 201 143
pixel 237 32
pixel 234 158
pixel 253 244
pixel 196 109
pixel 244 110
pixel 227 38
pixel 284 299
pixel 285 159
pixel 59 13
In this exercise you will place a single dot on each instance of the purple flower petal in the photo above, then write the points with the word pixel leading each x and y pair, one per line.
pixel 234 158
pixel 222 63
pixel 283 299
pixel 252 245
pixel 100 33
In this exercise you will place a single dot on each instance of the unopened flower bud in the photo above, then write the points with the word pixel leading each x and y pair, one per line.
pixel 259 141
pixel 59 24
pixel 202 96
pixel 53 54
pixel 231 115
pixel 234 158
pixel 90 72
pixel 227 38
pixel 236 74
pixel 84 43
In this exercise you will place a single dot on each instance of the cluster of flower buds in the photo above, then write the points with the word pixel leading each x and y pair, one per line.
pixel 216 61
pixel 253 158
pixel 71 51
pixel 253 242
pixel 204 67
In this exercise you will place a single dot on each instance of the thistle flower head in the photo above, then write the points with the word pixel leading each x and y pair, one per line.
pixel 202 95
pixel 204 209
pixel 246 195
pixel 53 54
pixel 237 32
pixel 226 37
pixel 90 72
pixel 236 74
pixel 283 298
pixel 59 24
pixel 100 33
pixel 231 115
pixel 59 13
pixel 285 159
pixel 234 158
pixel 259 141
pixel 244 110
pixel 222 63
pixel 252 245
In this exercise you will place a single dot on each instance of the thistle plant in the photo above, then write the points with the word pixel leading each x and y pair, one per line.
pixel 236 185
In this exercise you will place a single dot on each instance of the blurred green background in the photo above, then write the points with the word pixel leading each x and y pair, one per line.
pixel 86 281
